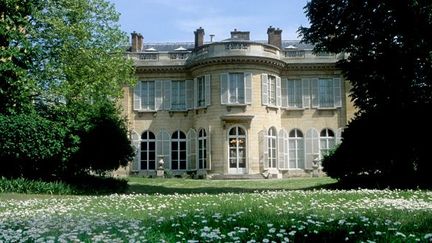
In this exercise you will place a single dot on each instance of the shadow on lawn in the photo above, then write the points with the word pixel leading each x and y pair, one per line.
pixel 152 189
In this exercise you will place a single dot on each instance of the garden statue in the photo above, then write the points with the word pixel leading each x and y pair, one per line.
pixel 315 166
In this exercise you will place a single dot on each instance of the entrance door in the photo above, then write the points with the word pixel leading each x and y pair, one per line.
pixel 237 150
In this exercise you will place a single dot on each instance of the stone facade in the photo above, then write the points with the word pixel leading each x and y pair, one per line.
pixel 235 106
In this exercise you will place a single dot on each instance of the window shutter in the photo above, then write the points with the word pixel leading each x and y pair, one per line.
pixel 195 93
pixel 278 91
pixel 339 135
pixel 312 147
pixel 137 97
pixel 158 95
pixel 189 94
pixel 315 93
pixel 264 89
pixel 263 145
pixel 282 163
pixel 224 88
pixel 208 149
pixel 337 92
pixel 207 90
pixel 136 144
pixel 163 148
pixel 284 93
pixel 167 95
pixel 306 93
pixel 191 149
pixel 248 88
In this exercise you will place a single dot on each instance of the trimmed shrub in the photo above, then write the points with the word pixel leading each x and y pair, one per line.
pixel 31 146
pixel 104 145
pixel 386 146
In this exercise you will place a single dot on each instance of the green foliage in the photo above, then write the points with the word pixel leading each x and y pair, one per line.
pixel 31 146
pixel 61 62
pixel 390 68
pixel 389 46
pixel 85 185
pixel 82 51
pixel 16 52
pixel 105 145
pixel 376 150
pixel 22 185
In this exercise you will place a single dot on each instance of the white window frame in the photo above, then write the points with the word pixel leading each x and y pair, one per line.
pixel 178 150
pixel 271 90
pixel 146 98
pixel 235 87
pixel 202 149
pixel 326 97
pixel 146 158
pixel 178 95
pixel 272 140
pixel 327 142
pixel 297 141
pixel 237 137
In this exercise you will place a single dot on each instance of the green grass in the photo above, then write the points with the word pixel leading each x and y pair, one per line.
pixel 293 209
pixel 186 186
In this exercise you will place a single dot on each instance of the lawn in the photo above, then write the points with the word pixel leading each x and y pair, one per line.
pixel 193 210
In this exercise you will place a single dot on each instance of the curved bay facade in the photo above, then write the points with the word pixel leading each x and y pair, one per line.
pixel 234 107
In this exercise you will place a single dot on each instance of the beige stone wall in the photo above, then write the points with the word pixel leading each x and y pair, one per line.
pixel 210 117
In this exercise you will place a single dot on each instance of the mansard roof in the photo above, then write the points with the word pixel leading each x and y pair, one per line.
pixel 172 46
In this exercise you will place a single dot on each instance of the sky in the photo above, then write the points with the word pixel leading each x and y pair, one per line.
pixel 176 20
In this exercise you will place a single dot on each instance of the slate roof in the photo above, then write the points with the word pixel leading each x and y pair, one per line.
pixel 171 46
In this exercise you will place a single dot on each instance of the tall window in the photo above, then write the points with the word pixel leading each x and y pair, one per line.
pixel 178 151
pixel 296 149
pixel 147 95
pixel 294 93
pixel 178 95
pixel 326 93
pixel 202 149
pixel 148 154
pixel 201 92
pixel 272 152
pixel 271 90
pixel 236 88
pixel 327 141
pixel 237 150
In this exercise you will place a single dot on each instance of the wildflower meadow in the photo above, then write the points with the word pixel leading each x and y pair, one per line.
pixel 262 216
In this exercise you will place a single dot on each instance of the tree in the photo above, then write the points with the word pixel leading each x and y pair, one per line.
pixel 82 52
pixel 62 66
pixel 390 68
pixel 16 52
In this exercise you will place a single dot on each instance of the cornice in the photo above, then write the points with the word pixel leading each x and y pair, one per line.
pixel 310 66
pixel 274 63
pixel 165 69
pixel 196 64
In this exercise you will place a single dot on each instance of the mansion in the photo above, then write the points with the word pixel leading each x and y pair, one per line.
pixel 234 107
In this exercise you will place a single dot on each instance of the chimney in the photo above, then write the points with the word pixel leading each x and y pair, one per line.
pixel 199 37
pixel 134 40
pixel 140 43
pixel 275 36
pixel 240 35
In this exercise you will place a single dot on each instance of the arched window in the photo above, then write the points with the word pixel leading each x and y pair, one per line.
pixel 327 141
pixel 148 153
pixel 272 151
pixel 237 150
pixel 178 151
pixel 202 149
pixel 296 149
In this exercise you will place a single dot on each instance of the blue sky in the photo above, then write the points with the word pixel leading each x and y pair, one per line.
pixel 175 20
